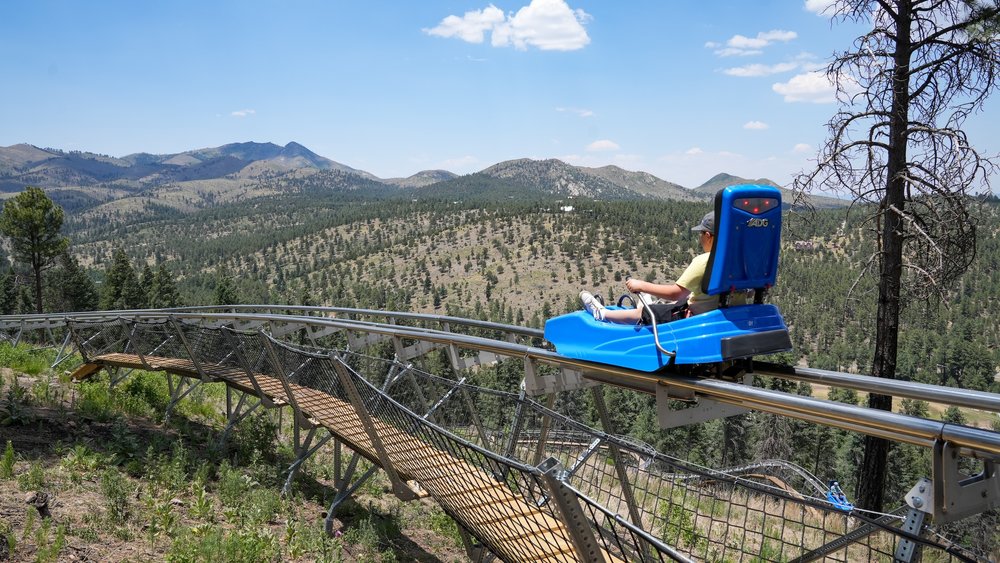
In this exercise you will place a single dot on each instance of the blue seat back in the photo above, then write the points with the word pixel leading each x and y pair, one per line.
pixel 748 234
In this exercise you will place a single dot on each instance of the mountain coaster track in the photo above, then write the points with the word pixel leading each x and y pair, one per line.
pixel 522 481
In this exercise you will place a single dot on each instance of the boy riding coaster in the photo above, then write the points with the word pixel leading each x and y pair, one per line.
pixel 688 287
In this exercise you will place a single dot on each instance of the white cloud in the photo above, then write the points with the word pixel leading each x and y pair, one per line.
pixel 820 7
pixel 471 27
pixel 243 113
pixel 812 87
pixel 777 35
pixel 744 42
pixel 741 45
pixel 760 70
pixel 733 52
pixel 549 25
pixel 578 111
pixel 694 151
pixel 602 145
pixel 802 148
pixel 755 125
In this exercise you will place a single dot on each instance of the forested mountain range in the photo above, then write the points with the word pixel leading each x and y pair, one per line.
pixel 147 184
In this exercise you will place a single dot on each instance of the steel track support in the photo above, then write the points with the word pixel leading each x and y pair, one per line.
pixel 907 550
pixel 477 552
pixel 345 488
pixel 179 387
pixel 703 408
pixel 955 495
pixel 299 420
pixel 543 432
pixel 399 487
pixel 624 482
pixel 571 514
pixel 60 358
pixel 236 413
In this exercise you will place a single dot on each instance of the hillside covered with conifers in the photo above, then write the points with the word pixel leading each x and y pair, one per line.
pixel 518 260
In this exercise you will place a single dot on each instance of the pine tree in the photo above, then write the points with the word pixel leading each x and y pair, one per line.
pixel 225 293
pixel 32 223
pixel 305 297
pixel 69 288
pixel 146 283
pixel 8 293
pixel 121 286
pixel 163 292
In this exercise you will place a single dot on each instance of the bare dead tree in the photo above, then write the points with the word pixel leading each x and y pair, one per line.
pixel 897 147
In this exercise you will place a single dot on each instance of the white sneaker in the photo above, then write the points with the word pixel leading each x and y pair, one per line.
pixel 592 305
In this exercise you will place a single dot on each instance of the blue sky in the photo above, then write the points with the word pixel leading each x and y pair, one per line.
pixel 680 89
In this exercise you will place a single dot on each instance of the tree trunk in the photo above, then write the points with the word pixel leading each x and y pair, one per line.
pixel 36 267
pixel 872 472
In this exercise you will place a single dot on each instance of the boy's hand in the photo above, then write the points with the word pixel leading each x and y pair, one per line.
pixel 634 285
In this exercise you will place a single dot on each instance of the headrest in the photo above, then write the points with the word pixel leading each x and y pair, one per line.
pixel 747 242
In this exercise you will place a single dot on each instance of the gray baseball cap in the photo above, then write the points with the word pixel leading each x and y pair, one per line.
pixel 707 223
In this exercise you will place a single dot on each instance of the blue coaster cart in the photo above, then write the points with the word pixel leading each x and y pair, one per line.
pixel 744 256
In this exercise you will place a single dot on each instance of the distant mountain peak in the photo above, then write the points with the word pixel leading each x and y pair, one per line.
pixel 422 179
pixel 722 177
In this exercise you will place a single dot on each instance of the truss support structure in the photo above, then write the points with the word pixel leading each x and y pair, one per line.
pixel 343 483
pixel 303 451
pixel 626 485
pixel 238 412
pixel 63 355
pixel 116 375
pixel 841 543
pixel 399 487
pixel 179 387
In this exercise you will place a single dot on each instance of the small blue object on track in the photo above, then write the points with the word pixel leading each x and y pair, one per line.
pixel 837 498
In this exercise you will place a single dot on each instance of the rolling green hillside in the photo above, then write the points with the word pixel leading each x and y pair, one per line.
pixel 517 257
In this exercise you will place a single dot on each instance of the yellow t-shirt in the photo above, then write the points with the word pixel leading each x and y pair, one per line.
pixel 698 302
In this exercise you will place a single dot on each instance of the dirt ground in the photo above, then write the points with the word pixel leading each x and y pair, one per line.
pixel 49 477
